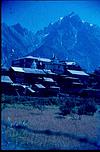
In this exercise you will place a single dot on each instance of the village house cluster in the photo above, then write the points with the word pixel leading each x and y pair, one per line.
pixel 35 76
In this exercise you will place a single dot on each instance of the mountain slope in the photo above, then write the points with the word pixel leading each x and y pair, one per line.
pixel 69 37
pixel 72 38
pixel 16 42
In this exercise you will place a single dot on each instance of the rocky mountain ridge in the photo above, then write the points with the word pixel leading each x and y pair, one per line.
pixel 69 37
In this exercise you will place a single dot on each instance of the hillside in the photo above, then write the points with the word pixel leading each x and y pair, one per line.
pixel 74 39
pixel 70 37
pixel 16 42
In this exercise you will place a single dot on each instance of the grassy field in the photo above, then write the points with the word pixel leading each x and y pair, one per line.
pixel 36 123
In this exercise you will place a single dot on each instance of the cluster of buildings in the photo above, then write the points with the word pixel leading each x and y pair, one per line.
pixel 35 76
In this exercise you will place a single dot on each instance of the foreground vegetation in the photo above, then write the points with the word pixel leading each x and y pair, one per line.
pixel 49 123
pixel 67 104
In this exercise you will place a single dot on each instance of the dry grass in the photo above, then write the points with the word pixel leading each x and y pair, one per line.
pixel 44 127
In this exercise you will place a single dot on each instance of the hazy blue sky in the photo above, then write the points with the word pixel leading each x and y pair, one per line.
pixel 35 15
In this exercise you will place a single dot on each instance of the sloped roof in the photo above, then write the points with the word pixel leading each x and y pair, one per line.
pixel 78 72
pixel 91 89
pixel 54 87
pixel 48 71
pixel 35 58
pixel 39 59
pixel 29 57
pixel 16 84
pixel 77 83
pixel 26 57
pixel 39 85
pixel 70 63
pixel 28 70
pixel 44 59
pixel 18 69
pixel 19 85
pixel 34 71
pixel 6 79
pixel 71 78
pixel 30 89
pixel 48 79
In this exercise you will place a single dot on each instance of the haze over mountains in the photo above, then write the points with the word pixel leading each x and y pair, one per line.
pixel 68 38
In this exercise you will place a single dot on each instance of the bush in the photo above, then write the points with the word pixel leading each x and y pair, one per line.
pixel 79 106
pixel 89 108
pixel 65 110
